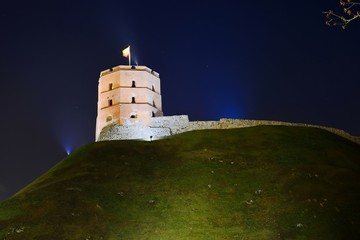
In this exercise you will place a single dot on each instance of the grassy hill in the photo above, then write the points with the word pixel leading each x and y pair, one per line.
pixel 265 182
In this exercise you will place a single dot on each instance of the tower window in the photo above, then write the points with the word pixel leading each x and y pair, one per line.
pixel 153 114
pixel 133 116
pixel 110 86
pixel 110 102
pixel 152 88
pixel 133 84
pixel 133 100
pixel 154 104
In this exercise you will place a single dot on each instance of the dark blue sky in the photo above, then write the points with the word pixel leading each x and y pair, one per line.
pixel 236 59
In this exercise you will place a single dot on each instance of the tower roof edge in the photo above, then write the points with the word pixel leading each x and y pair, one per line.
pixel 131 68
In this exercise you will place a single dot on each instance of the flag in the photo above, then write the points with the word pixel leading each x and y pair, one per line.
pixel 126 52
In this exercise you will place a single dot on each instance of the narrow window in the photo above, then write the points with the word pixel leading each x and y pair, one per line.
pixel 133 116
pixel 133 100
pixel 110 102
pixel 110 86
pixel 153 114
pixel 109 118
pixel 133 84
pixel 153 89
pixel 154 104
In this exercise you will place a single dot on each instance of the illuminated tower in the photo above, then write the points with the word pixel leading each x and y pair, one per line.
pixel 128 95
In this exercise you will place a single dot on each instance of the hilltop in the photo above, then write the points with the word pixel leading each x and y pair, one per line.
pixel 263 182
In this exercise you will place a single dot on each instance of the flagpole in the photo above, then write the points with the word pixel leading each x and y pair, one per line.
pixel 129 56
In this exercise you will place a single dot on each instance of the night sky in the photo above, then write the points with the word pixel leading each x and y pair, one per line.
pixel 217 59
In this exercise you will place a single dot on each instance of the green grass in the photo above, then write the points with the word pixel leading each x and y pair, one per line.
pixel 265 182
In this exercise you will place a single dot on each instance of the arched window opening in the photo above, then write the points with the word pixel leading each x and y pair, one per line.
pixel 110 102
pixel 133 100
pixel 133 116
pixel 133 84
pixel 110 86
pixel 109 118
pixel 152 88
pixel 153 114
pixel 154 104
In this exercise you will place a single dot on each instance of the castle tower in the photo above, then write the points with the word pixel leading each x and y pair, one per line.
pixel 128 95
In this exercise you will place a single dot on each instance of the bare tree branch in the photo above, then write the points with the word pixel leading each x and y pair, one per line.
pixel 351 12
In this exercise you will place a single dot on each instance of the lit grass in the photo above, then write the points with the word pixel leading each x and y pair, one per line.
pixel 266 182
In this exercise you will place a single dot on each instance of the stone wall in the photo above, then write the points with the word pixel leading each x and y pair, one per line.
pixel 177 124
pixel 225 123
pixel 171 125
pixel 117 132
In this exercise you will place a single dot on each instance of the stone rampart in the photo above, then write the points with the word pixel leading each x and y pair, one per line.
pixel 177 124
pixel 171 125
pixel 201 125
pixel 225 123
pixel 117 132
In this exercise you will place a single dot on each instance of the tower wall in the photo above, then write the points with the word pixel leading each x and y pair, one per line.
pixel 128 95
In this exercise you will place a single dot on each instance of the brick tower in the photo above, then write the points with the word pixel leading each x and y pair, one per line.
pixel 128 95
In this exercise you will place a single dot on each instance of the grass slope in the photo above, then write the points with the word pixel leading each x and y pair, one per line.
pixel 265 182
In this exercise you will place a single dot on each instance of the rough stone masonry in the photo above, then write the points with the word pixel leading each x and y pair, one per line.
pixel 161 127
